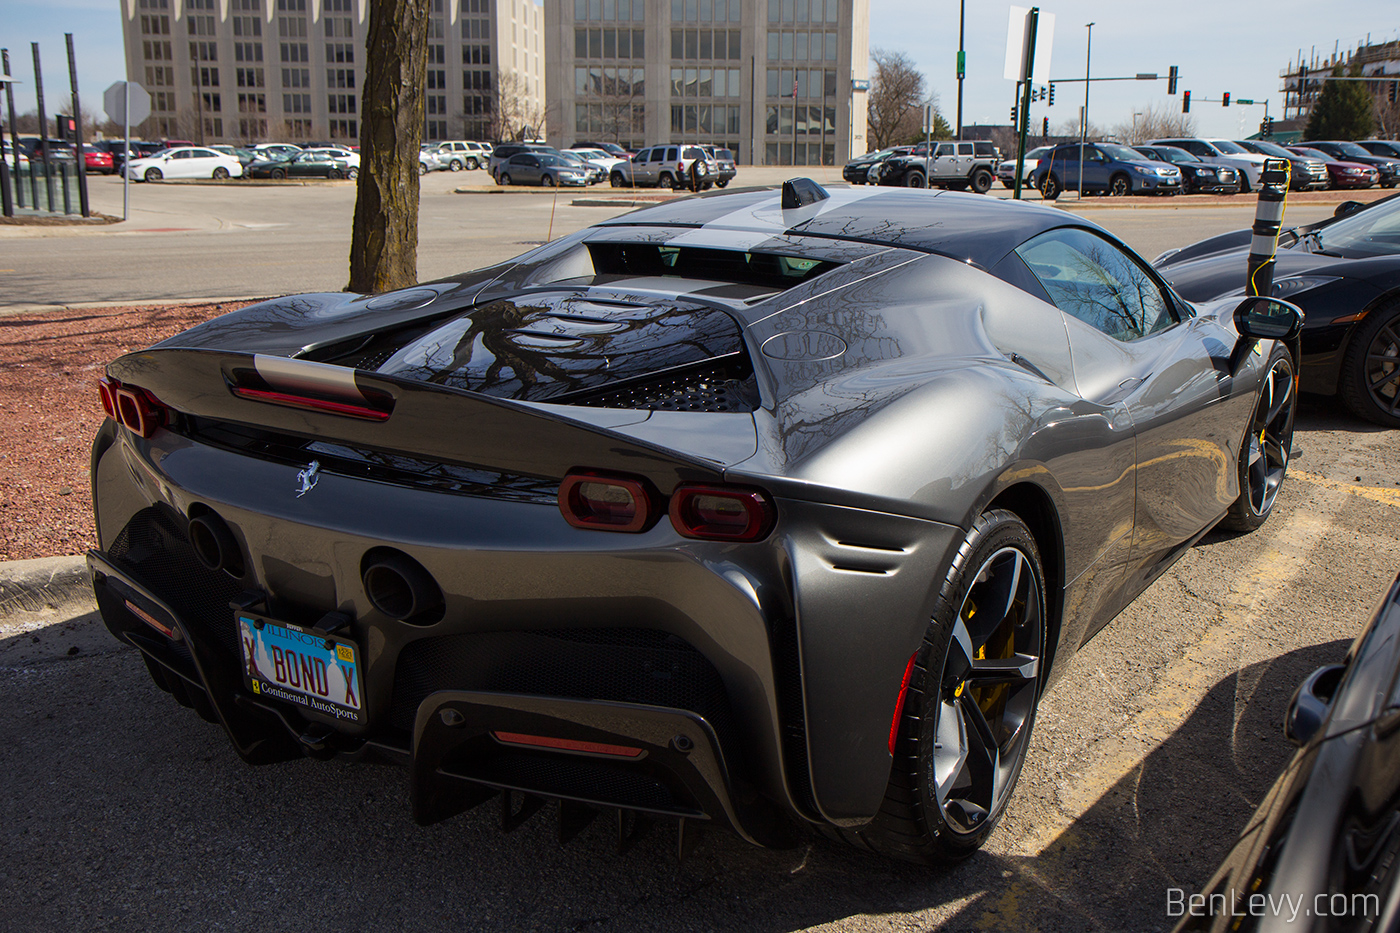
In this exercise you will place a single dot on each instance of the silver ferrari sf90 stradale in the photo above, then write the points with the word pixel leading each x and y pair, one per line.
pixel 772 510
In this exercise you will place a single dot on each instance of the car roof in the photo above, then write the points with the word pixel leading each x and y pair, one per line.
pixel 968 227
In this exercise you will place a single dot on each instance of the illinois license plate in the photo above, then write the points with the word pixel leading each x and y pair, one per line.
pixel 320 673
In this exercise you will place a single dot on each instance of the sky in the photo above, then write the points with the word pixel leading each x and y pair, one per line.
pixel 1238 48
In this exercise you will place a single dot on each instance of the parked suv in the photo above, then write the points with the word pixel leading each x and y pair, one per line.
pixel 1306 173
pixel 959 165
pixel 1108 168
pixel 458 154
pixel 1221 152
pixel 665 166
pixel 723 162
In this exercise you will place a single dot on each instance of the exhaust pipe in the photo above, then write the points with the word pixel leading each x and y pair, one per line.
pixel 398 586
pixel 215 545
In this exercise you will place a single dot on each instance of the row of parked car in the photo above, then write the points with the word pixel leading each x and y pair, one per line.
pixel 1162 166
pixel 672 165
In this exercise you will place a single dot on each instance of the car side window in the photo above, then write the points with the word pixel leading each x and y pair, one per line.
pixel 965 149
pixel 1094 280
pixel 671 154
pixel 183 154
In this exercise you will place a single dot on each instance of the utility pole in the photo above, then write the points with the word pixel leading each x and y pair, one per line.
pixel 1032 21
pixel 962 60
pixel 1084 118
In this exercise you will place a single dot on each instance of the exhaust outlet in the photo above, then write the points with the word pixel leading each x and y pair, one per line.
pixel 215 545
pixel 399 586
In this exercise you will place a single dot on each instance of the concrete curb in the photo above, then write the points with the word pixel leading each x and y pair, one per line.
pixel 43 583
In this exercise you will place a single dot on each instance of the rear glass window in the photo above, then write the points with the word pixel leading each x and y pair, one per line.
pixel 716 265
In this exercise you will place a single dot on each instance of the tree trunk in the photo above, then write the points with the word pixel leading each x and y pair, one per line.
pixel 384 243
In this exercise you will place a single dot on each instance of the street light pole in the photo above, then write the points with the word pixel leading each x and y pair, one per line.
pixel 1084 120
pixel 962 60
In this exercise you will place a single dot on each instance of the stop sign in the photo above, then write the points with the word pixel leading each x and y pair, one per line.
pixel 114 102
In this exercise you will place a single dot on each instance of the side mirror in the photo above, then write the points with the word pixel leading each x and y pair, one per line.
pixel 1347 207
pixel 1260 318
pixel 1311 701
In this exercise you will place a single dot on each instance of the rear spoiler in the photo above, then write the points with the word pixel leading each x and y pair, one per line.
pixel 334 403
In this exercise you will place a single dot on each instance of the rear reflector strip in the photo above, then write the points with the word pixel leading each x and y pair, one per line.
pixel 567 745
pixel 168 631
pixel 899 703
pixel 311 404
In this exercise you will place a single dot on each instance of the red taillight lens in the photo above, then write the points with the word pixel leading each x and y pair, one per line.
pixel 107 388
pixel 137 409
pixel 567 745
pixel 604 502
pixel 721 513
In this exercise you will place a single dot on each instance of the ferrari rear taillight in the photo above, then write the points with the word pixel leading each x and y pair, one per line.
pixel 721 513
pixel 606 502
pixel 134 407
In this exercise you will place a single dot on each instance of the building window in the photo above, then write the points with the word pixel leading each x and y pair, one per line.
pixel 252 103
pixel 337 6
pixel 343 129
pixel 437 55
pixel 291 6
pixel 153 25
pixel 296 77
pixel 341 103
pixel 476 55
pixel 340 52
pixel 296 103
pixel 156 51
pixel 437 80
pixel 247 27
pixel 205 77
pixel 296 52
pixel 252 127
pixel 247 6
pixel 249 77
pixel 291 27
pixel 340 78
pixel 339 27
pixel 247 52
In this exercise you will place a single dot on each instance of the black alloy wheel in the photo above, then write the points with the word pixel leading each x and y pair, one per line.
pixel 1050 187
pixel 981 181
pixel 915 180
pixel 1370 380
pixel 1267 447
pixel 220 173
pixel 1119 186
pixel 971 701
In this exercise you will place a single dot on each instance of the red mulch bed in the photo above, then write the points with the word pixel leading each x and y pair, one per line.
pixel 49 412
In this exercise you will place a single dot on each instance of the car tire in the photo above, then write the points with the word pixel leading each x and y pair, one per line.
pixel 1370 373
pixel 1244 183
pixel 1119 186
pixel 547 181
pixel 722 183
pixel 1267 446
pixel 472 165
pixel 220 173
pixel 352 173
pixel 915 180
pixel 334 174
pixel 616 180
pixel 981 181
pixel 422 168
pixel 949 786
pixel 278 173
pixel 153 174
pixel 455 165
pixel 666 181
pixel 504 180
pixel 1050 187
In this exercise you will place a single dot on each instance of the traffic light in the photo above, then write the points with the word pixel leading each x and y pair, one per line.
pixel 1171 80
pixel 1225 100
pixel 1051 101
pixel 1266 126
pixel 1014 108
pixel 1185 101
pixel 67 129
pixel 1045 127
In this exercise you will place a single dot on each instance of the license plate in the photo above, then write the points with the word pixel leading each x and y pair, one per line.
pixel 318 672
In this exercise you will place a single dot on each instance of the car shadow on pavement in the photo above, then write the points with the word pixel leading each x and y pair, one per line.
pixel 1329 413
pixel 133 814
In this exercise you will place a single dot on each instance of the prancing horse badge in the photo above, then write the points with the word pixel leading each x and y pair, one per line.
pixel 308 477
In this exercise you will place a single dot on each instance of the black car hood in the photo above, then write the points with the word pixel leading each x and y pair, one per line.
pixel 1222 273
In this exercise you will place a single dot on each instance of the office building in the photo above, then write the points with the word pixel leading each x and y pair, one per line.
pixel 774 80
pixel 230 71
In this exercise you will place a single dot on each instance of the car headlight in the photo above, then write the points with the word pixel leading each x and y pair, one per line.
pixel 1295 284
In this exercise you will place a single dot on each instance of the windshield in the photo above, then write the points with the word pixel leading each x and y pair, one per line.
pixel 1273 149
pixel 1353 150
pixel 1121 153
pixel 547 159
pixel 1225 146
pixel 1311 153
pixel 1373 231
pixel 1173 154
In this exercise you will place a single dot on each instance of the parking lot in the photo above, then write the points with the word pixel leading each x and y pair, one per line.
pixel 127 812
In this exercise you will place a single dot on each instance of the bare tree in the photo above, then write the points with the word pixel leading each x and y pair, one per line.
pixel 1155 121
pixel 384 239
pixel 896 99
pixel 515 112
pixel 1387 113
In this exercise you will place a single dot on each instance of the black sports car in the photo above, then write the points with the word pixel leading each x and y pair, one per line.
pixel 1322 852
pixel 857 171
pixel 772 510
pixel 1345 273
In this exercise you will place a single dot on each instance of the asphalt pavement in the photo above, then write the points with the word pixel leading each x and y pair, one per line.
pixel 126 812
